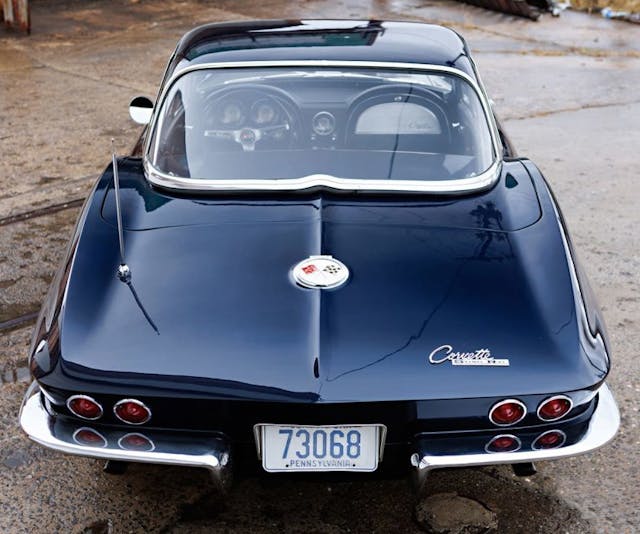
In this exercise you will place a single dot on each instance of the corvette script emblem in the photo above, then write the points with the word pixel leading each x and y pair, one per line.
pixel 480 357
pixel 321 272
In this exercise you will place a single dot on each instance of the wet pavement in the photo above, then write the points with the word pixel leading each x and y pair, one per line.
pixel 566 90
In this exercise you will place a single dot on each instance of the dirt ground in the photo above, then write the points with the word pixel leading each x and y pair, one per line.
pixel 631 6
pixel 566 89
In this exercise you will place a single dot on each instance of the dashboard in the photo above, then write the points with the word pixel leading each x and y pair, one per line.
pixel 236 125
pixel 263 117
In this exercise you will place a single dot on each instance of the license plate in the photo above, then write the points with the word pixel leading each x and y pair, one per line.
pixel 320 448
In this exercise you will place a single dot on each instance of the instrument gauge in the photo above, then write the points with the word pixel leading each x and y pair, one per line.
pixel 323 123
pixel 263 113
pixel 231 115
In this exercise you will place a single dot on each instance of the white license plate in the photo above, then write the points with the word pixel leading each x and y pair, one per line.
pixel 320 448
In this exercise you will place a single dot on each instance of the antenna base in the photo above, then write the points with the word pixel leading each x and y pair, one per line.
pixel 124 273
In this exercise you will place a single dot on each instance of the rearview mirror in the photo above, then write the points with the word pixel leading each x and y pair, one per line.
pixel 140 109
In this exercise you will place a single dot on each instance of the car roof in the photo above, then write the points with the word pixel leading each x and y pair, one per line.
pixel 331 40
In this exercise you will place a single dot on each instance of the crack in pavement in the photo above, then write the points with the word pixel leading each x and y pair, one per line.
pixel 61 193
pixel 71 72
pixel 41 212
pixel 547 46
pixel 54 186
pixel 19 322
pixel 40 64
pixel 584 107
pixel 131 29
pixel 569 51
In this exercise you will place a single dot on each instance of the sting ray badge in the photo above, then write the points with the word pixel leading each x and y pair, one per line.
pixel 480 357
pixel 320 272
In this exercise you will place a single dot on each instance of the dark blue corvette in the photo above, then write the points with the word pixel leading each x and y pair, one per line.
pixel 323 255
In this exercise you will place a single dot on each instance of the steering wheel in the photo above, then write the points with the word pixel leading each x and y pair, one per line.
pixel 251 116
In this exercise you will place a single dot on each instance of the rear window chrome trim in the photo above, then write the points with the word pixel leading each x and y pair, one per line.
pixel 325 181
pixel 476 183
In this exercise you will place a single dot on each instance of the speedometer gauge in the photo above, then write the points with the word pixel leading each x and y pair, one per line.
pixel 263 113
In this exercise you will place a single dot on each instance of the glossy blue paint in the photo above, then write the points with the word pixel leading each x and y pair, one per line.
pixel 212 322
pixel 212 333
pixel 343 40
pixel 213 274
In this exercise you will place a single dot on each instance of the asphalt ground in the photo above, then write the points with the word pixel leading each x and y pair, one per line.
pixel 567 91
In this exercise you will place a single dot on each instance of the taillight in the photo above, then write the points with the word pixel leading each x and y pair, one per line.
pixel 89 437
pixel 507 412
pixel 554 408
pixel 503 443
pixel 552 439
pixel 136 442
pixel 132 411
pixel 84 407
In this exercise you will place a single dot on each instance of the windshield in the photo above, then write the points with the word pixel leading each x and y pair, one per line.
pixel 357 123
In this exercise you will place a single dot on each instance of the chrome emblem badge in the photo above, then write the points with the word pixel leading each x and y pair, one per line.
pixel 480 357
pixel 320 272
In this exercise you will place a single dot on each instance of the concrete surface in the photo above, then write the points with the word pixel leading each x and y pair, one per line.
pixel 567 90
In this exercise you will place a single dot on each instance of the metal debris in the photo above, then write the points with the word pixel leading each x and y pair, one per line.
pixel 609 13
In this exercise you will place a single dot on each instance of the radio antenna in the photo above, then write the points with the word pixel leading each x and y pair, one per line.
pixel 124 273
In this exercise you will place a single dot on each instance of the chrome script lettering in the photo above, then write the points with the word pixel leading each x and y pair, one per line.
pixel 479 357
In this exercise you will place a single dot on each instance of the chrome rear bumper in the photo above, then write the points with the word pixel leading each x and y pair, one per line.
pixel 210 452
pixel 601 429
pixel 213 451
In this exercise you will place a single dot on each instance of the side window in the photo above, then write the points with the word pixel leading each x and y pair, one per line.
pixel 172 153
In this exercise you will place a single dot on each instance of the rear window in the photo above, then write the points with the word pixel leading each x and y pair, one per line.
pixel 357 123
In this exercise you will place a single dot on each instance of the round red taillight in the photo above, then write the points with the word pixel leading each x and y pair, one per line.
pixel 507 412
pixel 132 411
pixel 554 408
pixel 552 439
pixel 84 407
pixel 136 442
pixel 503 443
pixel 89 437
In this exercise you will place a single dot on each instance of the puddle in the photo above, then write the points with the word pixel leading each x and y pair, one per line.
pixel 13 375
pixel 16 459
pixel 98 527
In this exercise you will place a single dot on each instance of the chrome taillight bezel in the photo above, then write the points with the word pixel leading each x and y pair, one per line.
pixel 84 397
pixel 508 401
pixel 555 397
pixel 134 401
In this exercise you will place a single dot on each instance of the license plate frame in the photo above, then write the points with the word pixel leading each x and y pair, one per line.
pixel 264 431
